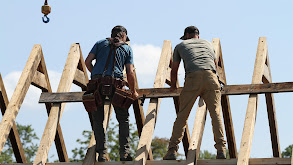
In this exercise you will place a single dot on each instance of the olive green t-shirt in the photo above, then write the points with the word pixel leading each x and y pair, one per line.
pixel 197 54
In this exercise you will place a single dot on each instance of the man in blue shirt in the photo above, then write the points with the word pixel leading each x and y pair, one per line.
pixel 124 58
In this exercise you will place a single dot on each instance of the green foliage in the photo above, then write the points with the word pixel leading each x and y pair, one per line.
pixel 288 152
pixel 112 141
pixel 79 153
pixel 159 147
pixel 27 137
pixel 206 155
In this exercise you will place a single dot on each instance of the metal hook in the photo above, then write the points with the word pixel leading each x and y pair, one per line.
pixel 45 20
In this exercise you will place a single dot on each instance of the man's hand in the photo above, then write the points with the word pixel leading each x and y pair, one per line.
pixel 135 95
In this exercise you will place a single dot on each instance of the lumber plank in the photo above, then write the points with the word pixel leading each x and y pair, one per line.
pixel 273 124
pixel 271 112
pixel 57 108
pixel 153 109
pixel 139 115
pixel 252 161
pixel 225 103
pixel 197 133
pixel 13 134
pixel 249 123
pixel 59 140
pixel 61 97
pixel 267 75
pixel 19 94
pixel 292 158
pixel 79 79
pixel 39 80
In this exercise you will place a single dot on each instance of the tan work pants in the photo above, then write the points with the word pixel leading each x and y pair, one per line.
pixel 202 83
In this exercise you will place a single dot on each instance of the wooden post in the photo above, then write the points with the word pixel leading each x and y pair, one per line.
pixel 19 94
pixel 13 135
pixel 261 73
pixel 197 133
pixel 68 77
pixel 267 78
pixel 41 80
pixel 139 115
pixel 153 109
pixel 225 101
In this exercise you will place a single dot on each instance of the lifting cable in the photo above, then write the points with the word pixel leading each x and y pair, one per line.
pixel 46 9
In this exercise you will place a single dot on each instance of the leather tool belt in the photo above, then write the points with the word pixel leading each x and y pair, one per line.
pixel 106 86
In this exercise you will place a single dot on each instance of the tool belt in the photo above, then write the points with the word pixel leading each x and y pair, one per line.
pixel 109 86
pixel 98 89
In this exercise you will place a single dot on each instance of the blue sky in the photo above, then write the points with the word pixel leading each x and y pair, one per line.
pixel 238 24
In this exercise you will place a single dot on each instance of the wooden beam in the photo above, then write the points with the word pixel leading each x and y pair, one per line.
pixel 57 108
pixel 153 109
pixel 271 112
pixel 252 161
pixel 139 115
pixel 39 80
pixel 62 97
pixel 197 133
pixel 225 103
pixel 13 134
pixel 59 140
pixel 249 124
pixel 273 124
pixel 19 94
pixel 79 79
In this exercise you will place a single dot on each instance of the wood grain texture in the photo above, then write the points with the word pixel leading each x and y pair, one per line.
pixel 13 134
pixel 227 116
pixel 252 161
pixel 57 108
pixel 59 140
pixel 153 109
pixel 249 124
pixel 19 94
pixel 197 133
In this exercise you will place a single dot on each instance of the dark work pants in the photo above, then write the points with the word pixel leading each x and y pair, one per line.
pixel 122 116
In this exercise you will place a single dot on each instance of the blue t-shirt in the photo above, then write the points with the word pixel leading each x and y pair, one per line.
pixel 101 50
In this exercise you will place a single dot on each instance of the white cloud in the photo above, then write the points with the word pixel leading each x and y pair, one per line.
pixel 146 59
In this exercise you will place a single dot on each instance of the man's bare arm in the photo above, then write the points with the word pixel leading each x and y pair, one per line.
pixel 174 73
pixel 131 80
pixel 88 61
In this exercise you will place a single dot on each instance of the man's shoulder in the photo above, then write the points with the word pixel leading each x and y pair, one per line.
pixel 102 41
pixel 126 47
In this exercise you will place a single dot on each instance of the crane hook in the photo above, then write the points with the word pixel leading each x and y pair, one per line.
pixel 46 9
pixel 45 19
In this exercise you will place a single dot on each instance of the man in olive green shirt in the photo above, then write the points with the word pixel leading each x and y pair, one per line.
pixel 199 60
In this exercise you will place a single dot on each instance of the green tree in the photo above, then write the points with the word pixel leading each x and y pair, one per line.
pixel 159 147
pixel 79 152
pixel 112 137
pixel 27 136
pixel 287 153
pixel 205 154
pixel 112 141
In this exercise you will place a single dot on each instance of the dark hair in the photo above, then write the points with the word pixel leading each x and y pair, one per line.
pixel 119 31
